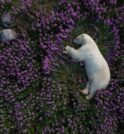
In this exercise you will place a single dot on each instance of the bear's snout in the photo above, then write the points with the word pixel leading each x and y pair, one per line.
pixel 76 42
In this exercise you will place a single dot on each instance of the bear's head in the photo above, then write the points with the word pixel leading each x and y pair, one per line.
pixel 83 39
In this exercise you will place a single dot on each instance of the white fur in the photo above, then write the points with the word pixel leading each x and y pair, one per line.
pixel 96 66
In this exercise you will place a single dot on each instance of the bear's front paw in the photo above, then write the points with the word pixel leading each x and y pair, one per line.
pixel 65 52
pixel 68 48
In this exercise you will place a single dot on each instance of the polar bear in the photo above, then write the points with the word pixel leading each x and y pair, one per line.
pixel 96 67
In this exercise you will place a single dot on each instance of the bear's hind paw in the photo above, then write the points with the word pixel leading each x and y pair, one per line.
pixel 84 91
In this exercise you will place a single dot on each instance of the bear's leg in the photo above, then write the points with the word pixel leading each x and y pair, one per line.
pixel 73 53
pixel 92 91
pixel 90 96
pixel 86 90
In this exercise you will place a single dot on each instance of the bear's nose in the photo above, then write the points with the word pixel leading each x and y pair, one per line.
pixel 74 41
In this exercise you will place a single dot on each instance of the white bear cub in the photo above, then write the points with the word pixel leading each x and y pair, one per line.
pixel 96 66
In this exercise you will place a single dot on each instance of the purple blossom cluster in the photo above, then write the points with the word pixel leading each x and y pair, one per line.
pixel 26 3
pixel 54 28
pixel 33 98
pixel 17 72
pixel 17 64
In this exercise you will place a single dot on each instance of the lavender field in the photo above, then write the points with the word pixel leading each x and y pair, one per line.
pixel 39 84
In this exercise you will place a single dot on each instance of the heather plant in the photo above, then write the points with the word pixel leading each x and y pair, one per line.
pixel 39 84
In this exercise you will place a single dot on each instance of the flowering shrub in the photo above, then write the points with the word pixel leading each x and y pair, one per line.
pixel 39 85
